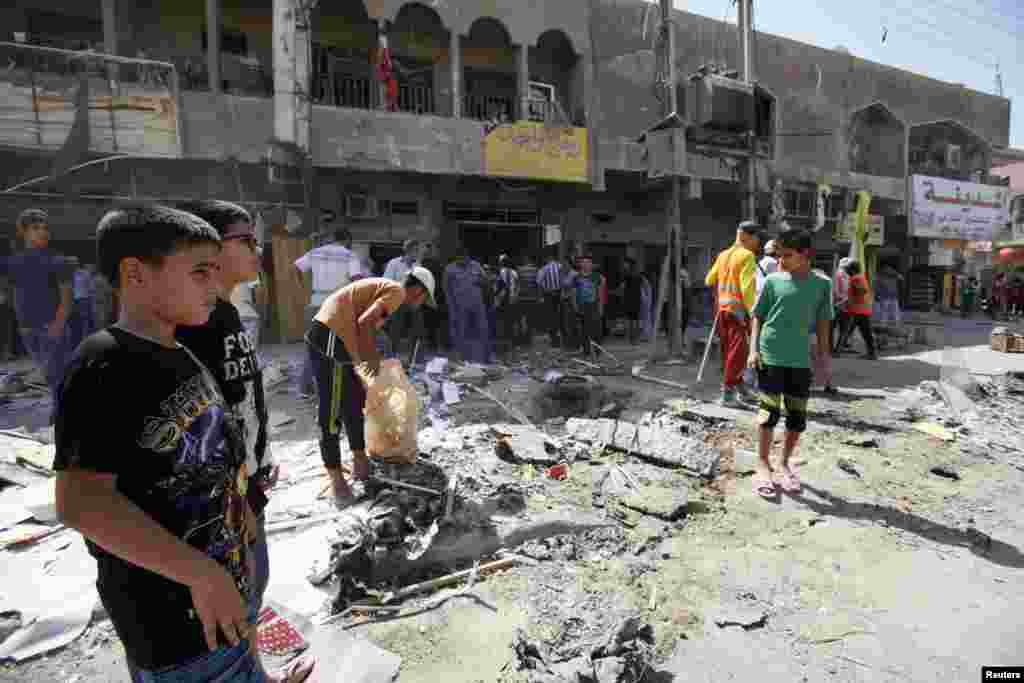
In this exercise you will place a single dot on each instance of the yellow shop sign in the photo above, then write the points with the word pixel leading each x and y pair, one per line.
pixel 531 150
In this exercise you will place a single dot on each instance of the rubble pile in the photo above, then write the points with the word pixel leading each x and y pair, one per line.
pixel 398 519
pixel 623 655
pixel 989 429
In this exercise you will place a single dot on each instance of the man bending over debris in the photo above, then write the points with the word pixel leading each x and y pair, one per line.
pixel 340 338
pixel 791 303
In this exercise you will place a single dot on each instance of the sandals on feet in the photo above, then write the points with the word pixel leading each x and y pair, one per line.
pixel 361 469
pixel 763 487
pixel 789 481
pixel 298 670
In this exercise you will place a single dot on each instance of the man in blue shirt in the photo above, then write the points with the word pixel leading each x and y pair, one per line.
pixel 42 294
pixel 463 287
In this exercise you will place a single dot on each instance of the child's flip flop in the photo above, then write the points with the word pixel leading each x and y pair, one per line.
pixel 790 482
pixel 764 487
pixel 298 670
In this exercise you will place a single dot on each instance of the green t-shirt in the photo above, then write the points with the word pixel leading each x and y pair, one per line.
pixel 788 308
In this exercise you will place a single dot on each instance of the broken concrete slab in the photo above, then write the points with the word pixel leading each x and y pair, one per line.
pixel 956 398
pixel 665 503
pixel 661 446
pixel 525 445
pixel 345 656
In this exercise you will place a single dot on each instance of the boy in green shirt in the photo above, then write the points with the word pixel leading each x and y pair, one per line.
pixel 790 304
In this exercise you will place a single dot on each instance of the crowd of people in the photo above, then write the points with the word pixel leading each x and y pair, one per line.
pixel 170 496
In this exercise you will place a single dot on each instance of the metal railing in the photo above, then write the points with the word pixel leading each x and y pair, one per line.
pixel 133 104
pixel 489 107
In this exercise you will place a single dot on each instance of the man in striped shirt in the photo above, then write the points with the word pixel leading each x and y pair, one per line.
pixel 550 282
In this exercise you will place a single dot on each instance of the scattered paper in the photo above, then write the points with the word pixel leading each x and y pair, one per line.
pixel 451 393
pixel 51 631
pixel 437 366
pixel 936 430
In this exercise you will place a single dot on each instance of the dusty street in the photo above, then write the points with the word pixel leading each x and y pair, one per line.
pixel 900 561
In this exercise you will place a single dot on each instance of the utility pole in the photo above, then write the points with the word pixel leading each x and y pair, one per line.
pixel 746 28
pixel 672 219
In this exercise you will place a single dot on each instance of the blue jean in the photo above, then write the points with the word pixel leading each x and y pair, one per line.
pixel 470 333
pixel 226 664
pixel 236 664
pixel 48 354
pixel 81 324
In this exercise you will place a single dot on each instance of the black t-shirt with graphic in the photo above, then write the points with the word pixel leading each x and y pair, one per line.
pixel 223 345
pixel 177 454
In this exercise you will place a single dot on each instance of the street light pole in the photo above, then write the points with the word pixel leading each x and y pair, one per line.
pixel 746 28
pixel 672 218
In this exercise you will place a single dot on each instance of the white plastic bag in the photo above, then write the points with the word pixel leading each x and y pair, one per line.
pixel 392 415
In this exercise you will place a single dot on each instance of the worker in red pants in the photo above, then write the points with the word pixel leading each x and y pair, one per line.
pixel 734 277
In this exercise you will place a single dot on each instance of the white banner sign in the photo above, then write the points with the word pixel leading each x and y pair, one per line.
pixel 876 230
pixel 951 209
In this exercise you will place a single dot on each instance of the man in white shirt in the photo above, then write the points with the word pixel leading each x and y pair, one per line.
pixel 244 297
pixel 768 265
pixel 334 266
pixel 405 324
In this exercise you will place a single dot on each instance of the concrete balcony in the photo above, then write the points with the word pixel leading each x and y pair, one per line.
pixel 132 104
pixel 220 126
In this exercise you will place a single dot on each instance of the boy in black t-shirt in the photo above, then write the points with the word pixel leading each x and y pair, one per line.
pixel 159 493
pixel 226 348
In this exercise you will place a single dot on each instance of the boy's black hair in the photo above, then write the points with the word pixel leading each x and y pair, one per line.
pixel 31 216
pixel 217 213
pixel 799 240
pixel 413 281
pixel 343 236
pixel 752 228
pixel 148 232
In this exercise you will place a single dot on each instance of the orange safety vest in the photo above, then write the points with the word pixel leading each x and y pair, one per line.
pixel 860 304
pixel 730 286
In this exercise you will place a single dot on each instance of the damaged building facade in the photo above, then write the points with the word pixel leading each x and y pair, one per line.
pixel 498 127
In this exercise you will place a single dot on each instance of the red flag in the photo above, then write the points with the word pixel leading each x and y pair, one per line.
pixel 386 74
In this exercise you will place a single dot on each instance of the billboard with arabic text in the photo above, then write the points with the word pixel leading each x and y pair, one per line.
pixel 951 209
pixel 532 150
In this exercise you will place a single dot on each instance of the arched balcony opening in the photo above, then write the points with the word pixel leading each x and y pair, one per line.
pixel 877 142
pixel 418 43
pixel 344 50
pixel 489 72
pixel 948 149
pixel 555 86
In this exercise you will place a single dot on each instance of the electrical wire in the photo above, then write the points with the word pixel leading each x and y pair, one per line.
pixel 953 36
pixel 976 19
pixel 948 44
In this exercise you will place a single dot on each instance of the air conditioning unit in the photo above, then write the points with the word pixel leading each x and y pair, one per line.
pixel 954 157
pixel 724 104
pixel 360 206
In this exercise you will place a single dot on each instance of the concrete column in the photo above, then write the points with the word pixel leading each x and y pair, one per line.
pixel 455 61
pixel 523 82
pixel 292 80
pixel 110 26
pixel 213 44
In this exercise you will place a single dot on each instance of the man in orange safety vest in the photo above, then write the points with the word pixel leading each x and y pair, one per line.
pixel 734 277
